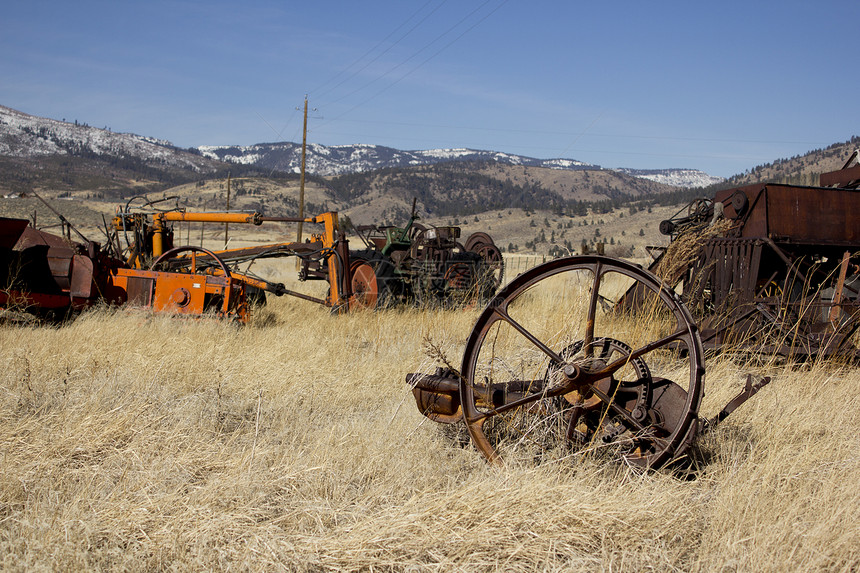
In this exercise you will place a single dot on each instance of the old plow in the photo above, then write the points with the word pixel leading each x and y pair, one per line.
pixel 552 369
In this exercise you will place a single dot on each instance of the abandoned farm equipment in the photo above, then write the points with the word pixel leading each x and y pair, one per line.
pixel 426 265
pixel 50 276
pixel 770 268
pixel 590 355
pixel 551 369
pixel 139 265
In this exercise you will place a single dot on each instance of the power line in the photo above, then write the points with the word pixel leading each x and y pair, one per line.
pixel 371 50
pixel 415 54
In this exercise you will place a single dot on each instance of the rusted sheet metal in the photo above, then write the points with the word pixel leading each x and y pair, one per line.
pixel 11 230
pixel 847 177
pixel 787 213
pixel 778 274
pixel 82 280
pixel 31 238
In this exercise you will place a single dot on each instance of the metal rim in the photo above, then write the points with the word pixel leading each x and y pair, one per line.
pixel 171 254
pixel 477 239
pixel 494 264
pixel 365 288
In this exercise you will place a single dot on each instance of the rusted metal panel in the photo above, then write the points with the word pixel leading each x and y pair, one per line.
pixel 60 263
pixel 788 213
pixel 841 178
pixel 10 231
pixel 139 290
pixel 82 277
pixel 813 214
pixel 30 237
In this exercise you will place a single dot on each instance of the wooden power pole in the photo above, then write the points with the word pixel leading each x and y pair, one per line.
pixel 302 179
pixel 227 225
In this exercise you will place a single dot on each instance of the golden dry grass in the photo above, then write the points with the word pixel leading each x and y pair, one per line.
pixel 135 442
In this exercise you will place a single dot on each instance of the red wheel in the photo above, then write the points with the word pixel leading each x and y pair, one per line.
pixel 368 282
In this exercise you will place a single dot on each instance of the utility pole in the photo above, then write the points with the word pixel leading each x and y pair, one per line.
pixel 227 225
pixel 302 180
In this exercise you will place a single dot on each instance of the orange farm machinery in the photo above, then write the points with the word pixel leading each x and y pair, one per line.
pixel 141 265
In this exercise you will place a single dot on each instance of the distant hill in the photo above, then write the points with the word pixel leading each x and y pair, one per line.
pixel 798 170
pixel 469 188
pixel 522 198
pixel 57 156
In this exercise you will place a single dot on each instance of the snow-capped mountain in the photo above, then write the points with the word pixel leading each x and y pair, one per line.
pixel 24 135
pixel 340 159
pixel 674 177
pixel 27 136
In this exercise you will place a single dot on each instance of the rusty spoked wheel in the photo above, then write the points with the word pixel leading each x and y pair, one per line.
pixel 551 371
pixel 476 239
pixel 492 269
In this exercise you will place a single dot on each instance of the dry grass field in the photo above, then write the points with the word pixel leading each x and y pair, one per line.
pixel 139 442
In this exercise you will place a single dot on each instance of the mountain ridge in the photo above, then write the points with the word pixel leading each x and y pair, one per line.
pixel 25 136
pixel 358 158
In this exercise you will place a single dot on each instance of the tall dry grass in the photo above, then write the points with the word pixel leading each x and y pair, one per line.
pixel 134 442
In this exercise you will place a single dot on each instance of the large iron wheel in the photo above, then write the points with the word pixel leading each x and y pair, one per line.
pixel 551 370
pixel 476 239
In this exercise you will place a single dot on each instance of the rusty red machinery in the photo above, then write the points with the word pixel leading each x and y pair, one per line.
pixel 770 268
pixel 426 265
pixel 52 276
pixel 551 369
pixel 591 355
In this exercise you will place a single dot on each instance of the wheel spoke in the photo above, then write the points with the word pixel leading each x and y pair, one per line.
pixel 620 410
pixel 527 399
pixel 638 353
pixel 554 357
pixel 592 309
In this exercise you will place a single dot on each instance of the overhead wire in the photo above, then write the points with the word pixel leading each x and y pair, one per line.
pixel 375 47
pixel 415 54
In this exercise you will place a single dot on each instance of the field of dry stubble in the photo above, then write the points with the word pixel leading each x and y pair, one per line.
pixel 135 442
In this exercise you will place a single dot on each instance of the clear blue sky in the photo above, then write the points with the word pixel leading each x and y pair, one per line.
pixel 718 86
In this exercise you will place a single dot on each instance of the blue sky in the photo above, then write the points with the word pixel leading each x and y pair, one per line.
pixel 720 86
